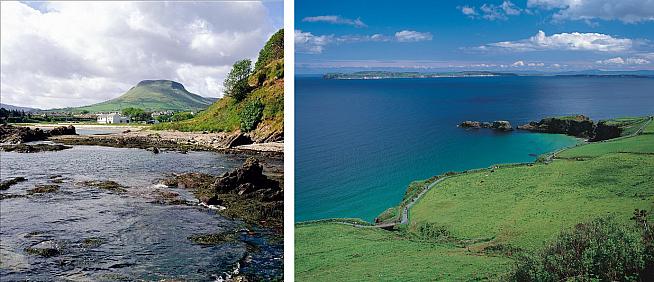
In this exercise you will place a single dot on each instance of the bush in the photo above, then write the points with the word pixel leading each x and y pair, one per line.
pixel 273 50
pixel 603 249
pixel 251 115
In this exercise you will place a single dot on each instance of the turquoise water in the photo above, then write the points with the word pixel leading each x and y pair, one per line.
pixel 359 143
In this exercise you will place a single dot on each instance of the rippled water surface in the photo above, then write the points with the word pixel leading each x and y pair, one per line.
pixel 122 236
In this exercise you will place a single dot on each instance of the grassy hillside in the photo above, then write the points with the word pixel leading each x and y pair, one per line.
pixel 152 95
pixel 267 82
pixel 475 225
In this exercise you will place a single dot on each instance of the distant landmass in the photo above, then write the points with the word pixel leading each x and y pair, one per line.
pixel 388 74
pixel 152 95
pixel 392 74
pixel 18 108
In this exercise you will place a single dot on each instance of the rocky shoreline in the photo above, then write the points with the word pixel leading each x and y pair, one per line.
pixel 578 126
pixel 176 140
pixel 244 193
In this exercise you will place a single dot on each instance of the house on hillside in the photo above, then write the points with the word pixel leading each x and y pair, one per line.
pixel 112 118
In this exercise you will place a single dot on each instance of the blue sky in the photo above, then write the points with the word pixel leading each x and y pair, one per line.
pixel 541 35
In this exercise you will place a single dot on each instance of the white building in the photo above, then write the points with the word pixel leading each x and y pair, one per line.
pixel 112 118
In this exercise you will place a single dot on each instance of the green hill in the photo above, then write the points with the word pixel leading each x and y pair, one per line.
pixel 266 95
pixel 152 95
pixel 479 225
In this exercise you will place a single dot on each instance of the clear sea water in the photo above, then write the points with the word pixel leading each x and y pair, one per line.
pixel 359 143
pixel 139 240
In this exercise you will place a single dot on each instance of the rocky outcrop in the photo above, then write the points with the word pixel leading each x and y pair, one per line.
pixel 245 192
pixel 605 131
pixel 25 148
pixel 579 126
pixel 4 185
pixel 63 130
pixel 21 134
pixel 500 125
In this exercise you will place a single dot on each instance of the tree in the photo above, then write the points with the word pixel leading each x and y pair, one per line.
pixel 181 116
pixel 136 114
pixel 236 83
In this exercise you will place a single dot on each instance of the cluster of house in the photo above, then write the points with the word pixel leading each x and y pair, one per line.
pixel 112 118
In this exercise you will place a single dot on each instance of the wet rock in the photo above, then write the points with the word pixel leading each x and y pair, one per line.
pixel 20 134
pixel 4 185
pixel 105 185
pixel 213 239
pixel 502 125
pixel 43 188
pixel 45 249
pixel 470 124
pixel 191 180
pixel 25 148
pixel 154 150
pixel 11 196
pixel 169 198
pixel 63 130
pixel 92 242
pixel 247 179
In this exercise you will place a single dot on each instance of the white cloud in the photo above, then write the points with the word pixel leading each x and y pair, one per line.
pixel 565 41
pixel 468 11
pixel 336 20
pixel 628 11
pixel 491 11
pixel 621 61
pixel 518 64
pixel 308 43
pixel 77 53
pixel 412 36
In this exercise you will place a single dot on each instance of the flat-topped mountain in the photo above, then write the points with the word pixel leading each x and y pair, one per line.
pixel 153 95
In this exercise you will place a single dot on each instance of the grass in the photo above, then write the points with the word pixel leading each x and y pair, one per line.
pixel 471 226
pixel 336 252
pixel 629 125
pixel 223 116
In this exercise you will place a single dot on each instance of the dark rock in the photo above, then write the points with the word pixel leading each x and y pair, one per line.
pixel 105 185
pixel 43 188
pixel 470 124
pixel 191 180
pixel 63 130
pixel 212 239
pixel 238 139
pixel 605 131
pixel 20 134
pixel 502 125
pixel 4 185
pixel 36 148
pixel 45 249
pixel 579 126
pixel 245 180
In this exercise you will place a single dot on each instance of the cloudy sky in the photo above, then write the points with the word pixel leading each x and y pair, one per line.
pixel 59 54
pixel 511 35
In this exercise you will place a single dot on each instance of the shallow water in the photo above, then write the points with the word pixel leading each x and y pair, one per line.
pixel 110 236
pixel 359 143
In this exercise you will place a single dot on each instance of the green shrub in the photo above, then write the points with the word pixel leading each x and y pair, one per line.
pixel 603 249
pixel 251 115
pixel 273 50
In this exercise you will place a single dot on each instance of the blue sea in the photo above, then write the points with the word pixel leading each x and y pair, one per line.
pixel 359 143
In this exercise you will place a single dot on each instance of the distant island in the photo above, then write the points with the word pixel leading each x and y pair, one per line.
pixel 391 74
pixel 388 74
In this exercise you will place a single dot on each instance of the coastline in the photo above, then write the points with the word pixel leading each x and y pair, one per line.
pixel 142 137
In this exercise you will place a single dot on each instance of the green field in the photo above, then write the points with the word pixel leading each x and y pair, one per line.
pixel 471 226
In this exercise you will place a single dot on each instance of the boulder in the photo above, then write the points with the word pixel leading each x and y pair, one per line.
pixel 45 249
pixel 245 180
pixel 237 140
pixel 4 185
pixel 20 134
pixel 502 125
pixel 63 130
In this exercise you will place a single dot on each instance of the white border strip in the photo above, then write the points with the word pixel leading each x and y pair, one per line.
pixel 289 141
